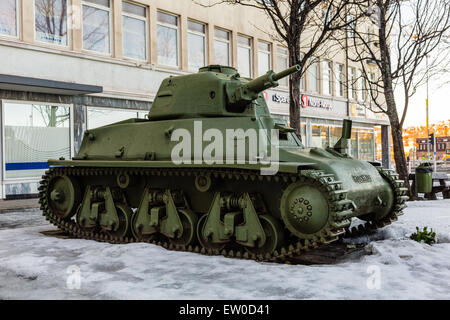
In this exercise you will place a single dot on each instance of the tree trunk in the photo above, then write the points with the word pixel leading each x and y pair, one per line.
pixel 294 92
pixel 397 139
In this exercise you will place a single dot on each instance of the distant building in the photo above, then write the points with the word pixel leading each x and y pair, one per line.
pixel 67 66
pixel 442 148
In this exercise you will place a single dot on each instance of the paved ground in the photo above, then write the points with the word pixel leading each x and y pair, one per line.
pixel 14 205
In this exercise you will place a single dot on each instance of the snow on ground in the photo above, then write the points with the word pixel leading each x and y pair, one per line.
pixel 35 266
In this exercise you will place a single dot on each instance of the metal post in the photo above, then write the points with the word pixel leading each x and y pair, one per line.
pixel 434 151
pixel 427 102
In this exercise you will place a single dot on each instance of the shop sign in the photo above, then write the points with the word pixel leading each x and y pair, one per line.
pixel 315 103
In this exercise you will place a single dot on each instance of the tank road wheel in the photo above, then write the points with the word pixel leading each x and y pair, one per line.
pixel 189 221
pixel 137 233
pixel 274 236
pixel 64 194
pixel 205 241
pixel 124 213
pixel 80 223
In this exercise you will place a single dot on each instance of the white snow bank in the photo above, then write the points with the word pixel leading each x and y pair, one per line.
pixel 34 266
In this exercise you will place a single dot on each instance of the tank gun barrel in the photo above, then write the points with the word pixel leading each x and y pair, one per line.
pixel 269 80
pixel 240 96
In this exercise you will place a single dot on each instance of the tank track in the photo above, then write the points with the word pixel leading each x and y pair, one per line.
pixel 340 209
pixel 400 197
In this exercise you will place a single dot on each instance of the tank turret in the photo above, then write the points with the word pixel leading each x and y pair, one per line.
pixel 241 95
pixel 215 91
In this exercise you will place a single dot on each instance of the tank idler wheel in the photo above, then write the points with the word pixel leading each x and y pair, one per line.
pixel 124 213
pixel 138 234
pixel 63 196
pixel 274 236
pixel 205 241
pixel 189 221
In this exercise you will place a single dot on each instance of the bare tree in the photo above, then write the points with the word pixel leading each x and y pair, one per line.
pixel 304 27
pixel 392 52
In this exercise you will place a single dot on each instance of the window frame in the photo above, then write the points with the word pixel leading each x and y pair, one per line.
pixel 110 13
pixel 18 31
pixel 284 55
pixel 69 31
pixel 205 41
pixel 230 50
pixel 328 77
pixel 269 52
pixel 137 17
pixel 316 64
pixel 171 26
pixel 248 47
pixel 339 86
pixel 352 84
pixel 2 116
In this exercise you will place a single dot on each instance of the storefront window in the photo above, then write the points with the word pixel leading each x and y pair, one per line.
pixel 335 135
pixel 222 47
pixel 319 137
pixel 282 64
pixel 134 19
pixel 264 57
pixel 34 133
pixel 8 17
pixel 366 145
pixel 96 25
pixel 354 144
pixel 196 45
pixel 51 21
pixel 98 117
pixel 167 39
pixel 378 145
pixel 245 56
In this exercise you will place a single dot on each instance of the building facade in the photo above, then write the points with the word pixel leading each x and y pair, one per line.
pixel 442 149
pixel 70 65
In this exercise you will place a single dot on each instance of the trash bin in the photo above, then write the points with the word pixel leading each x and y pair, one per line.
pixel 424 178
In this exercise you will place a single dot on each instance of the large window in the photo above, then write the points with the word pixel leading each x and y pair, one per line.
pixel 8 17
pixel 244 52
pixel 264 57
pixel 134 20
pixel 282 64
pixel 335 135
pixel 50 21
pixel 98 117
pixel 313 77
pixel 366 145
pixel 340 80
pixel 222 47
pixel 327 83
pixel 319 136
pixel 196 45
pixel 96 25
pixel 168 39
pixel 34 133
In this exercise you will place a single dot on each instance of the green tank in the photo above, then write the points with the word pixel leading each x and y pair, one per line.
pixel 210 171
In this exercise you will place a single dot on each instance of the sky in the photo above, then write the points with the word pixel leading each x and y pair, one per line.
pixel 439 104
